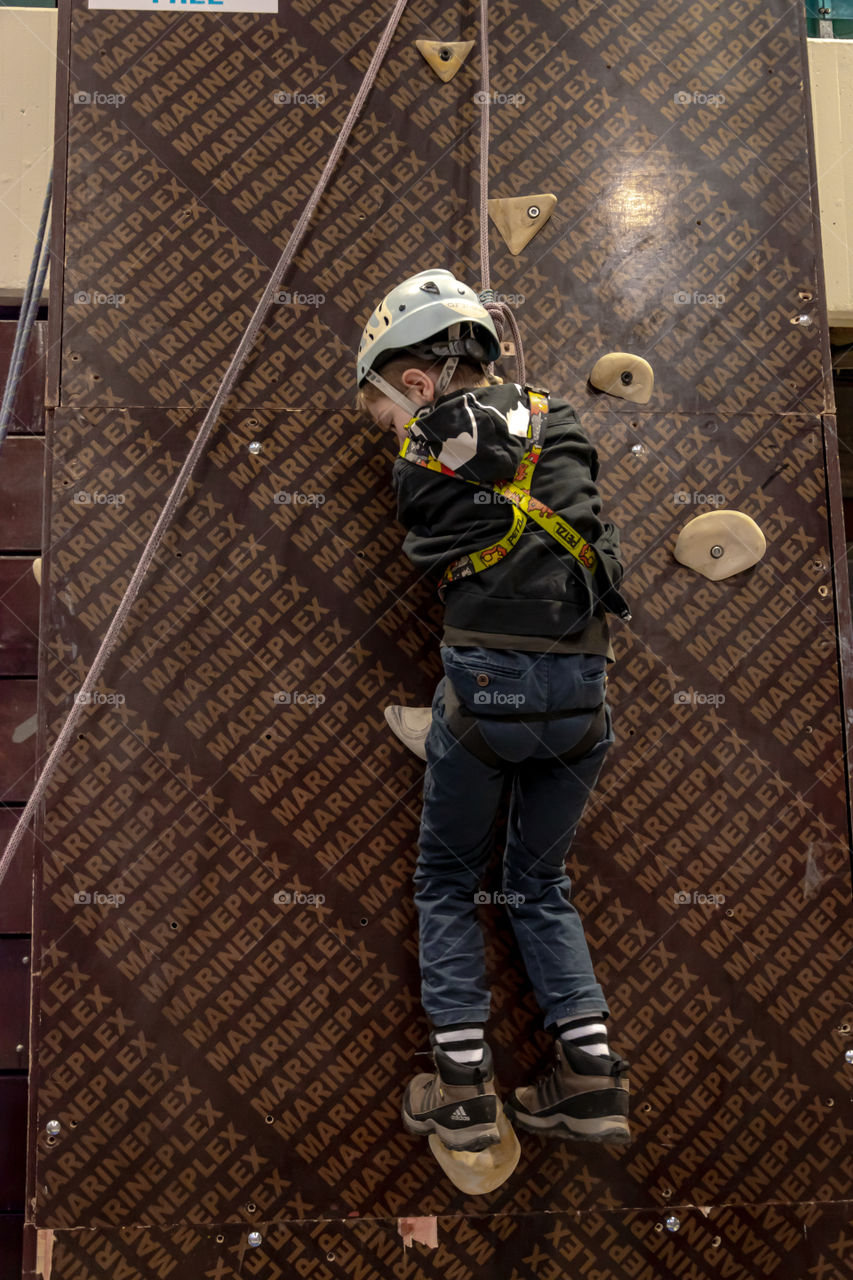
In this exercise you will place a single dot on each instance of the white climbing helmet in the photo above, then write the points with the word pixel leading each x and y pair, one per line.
pixel 432 314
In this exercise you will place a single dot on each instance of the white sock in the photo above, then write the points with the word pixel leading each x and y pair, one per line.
pixel 463 1044
pixel 588 1033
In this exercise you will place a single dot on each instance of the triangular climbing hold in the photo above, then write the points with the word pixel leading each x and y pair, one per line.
pixel 519 218
pixel 445 56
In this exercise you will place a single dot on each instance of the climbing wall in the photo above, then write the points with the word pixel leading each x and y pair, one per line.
pixel 226 979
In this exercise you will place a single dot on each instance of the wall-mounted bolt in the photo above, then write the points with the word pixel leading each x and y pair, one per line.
pixel 848 1056
pixel 636 448
pixel 255 446
pixel 716 552
pixel 672 1223
pixel 255 1238
pixel 53 1128
pixel 533 211
pixel 626 378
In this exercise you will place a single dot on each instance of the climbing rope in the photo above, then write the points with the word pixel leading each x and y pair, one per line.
pixel 210 421
pixel 27 315
pixel 500 312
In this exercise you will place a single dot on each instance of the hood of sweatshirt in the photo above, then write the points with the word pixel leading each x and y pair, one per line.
pixel 478 432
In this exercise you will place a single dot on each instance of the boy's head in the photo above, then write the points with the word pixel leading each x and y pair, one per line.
pixel 429 335
pixel 416 379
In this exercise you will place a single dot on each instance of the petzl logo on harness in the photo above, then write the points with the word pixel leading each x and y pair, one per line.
pixel 516 491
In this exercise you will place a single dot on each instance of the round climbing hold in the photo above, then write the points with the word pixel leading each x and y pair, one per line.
pixel 719 544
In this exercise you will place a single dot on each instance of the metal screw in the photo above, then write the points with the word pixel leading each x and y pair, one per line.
pixel 255 1238
pixel 19 1048
pixel 672 1223
pixel 627 378
pixel 636 448
pixel 533 211
pixel 848 1056
pixel 53 1127
pixel 255 446
pixel 716 552
pixel 445 54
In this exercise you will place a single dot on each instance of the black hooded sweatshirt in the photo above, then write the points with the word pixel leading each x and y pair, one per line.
pixel 538 597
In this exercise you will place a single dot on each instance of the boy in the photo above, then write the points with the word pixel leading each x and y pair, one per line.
pixel 528 570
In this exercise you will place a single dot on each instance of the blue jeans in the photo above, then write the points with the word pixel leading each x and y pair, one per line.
pixel 461 799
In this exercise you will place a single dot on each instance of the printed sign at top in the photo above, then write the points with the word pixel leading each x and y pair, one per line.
pixel 190 6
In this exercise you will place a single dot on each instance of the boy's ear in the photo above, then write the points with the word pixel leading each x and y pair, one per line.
pixel 419 380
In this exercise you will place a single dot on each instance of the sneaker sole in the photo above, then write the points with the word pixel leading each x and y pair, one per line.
pixel 612 1129
pixel 476 1138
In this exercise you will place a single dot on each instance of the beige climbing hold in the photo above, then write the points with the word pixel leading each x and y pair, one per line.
pixel 520 218
pixel 479 1172
pixel 718 544
pixel 621 374
pixel 445 56
pixel 37 570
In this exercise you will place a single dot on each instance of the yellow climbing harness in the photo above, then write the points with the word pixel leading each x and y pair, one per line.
pixel 516 491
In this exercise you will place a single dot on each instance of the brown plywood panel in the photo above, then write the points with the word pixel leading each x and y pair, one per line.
pixel 21 494
pixel 794 1240
pixel 28 413
pixel 17 739
pixel 13 1126
pixel 16 899
pixel 227 940
pixel 19 617
pixel 14 1002
pixel 11 1244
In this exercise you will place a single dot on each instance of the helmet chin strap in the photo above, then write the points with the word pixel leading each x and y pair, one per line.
pixel 392 393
